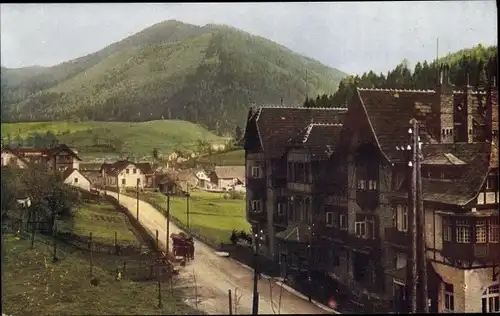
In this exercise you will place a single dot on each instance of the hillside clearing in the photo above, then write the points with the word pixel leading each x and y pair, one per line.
pixel 112 138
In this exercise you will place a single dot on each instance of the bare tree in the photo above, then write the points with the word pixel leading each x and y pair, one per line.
pixel 195 290
pixel 275 306
pixel 236 301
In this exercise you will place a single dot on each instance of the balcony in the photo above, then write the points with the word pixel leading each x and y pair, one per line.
pixel 363 244
pixel 367 199
pixel 487 252
pixel 397 238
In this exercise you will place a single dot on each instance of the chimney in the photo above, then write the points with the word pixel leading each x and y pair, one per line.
pixel 443 108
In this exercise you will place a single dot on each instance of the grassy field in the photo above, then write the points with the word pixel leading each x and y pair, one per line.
pixel 33 285
pixel 230 158
pixel 138 138
pixel 210 214
pixel 102 220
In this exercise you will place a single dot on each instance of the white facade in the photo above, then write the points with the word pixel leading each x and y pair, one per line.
pixel 127 178
pixel 77 179
pixel 11 159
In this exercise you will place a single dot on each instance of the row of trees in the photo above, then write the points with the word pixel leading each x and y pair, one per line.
pixel 50 197
pixel 36 140
pixel 465 66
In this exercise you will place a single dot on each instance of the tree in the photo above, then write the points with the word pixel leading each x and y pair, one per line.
pixel 156 154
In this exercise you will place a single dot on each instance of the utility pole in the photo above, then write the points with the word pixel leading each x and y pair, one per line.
pixel 422 253
pixel 137 192
pixel 414 237
pixel 168 224
pixel 255 305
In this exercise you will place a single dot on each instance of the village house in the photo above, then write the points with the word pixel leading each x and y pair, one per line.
pixel 57 158
pixel 75 177
pixel 92 172
pixel 124 174
pixel 328 188
pixel 225 178
pixel 203 179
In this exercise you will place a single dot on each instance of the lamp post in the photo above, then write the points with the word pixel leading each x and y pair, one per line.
pixel 309 257
pixel 167 192
pixel 258 237
pixel 137 197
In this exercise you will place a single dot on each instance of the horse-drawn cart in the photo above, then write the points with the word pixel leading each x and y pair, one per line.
pixel 183 246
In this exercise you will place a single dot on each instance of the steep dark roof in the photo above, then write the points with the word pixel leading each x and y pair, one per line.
pixel 43 152
pixel 459 191
pixel 390 111
pixel 319 139
pixel 276 125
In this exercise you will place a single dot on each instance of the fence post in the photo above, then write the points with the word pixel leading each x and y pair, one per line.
pixel 90 253
pixel 116 243
pixel 54 232
pixel 33 231
pixel 230 302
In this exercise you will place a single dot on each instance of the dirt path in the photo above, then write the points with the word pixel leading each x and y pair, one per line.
pixel 216 275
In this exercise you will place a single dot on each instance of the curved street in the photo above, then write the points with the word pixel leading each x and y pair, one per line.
pixel 214 275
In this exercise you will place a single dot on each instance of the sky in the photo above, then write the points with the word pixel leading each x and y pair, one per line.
pixel 351 36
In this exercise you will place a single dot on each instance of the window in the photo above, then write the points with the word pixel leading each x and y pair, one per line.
pixel 281 209
pixel 494 233
pixel 442 131
pixel 361 184
pixel 134 171
pixel 127 171
pixel 491 299
pixel 463 232
pixel 446 230
pixel 76 180
pixel 372 185
pixel 402 218
pixel 256 172
pixel 290 172
pixel 329 219
pixel 343 221
pixel 360 229
pixel 449 302
pixel 256 206
pixel 123 182
pixel 481 232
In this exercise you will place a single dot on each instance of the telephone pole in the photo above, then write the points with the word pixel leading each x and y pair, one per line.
pixel 417 275
pixel 414 237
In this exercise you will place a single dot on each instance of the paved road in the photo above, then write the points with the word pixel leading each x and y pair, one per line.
pixel 216 275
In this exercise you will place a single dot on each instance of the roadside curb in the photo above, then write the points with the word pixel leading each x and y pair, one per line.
pixel 289 289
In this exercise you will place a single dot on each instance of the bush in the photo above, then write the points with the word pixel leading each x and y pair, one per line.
pixel 234 195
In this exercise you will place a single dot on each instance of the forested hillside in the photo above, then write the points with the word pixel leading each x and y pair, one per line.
pixel 423 76
pixel 209 75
